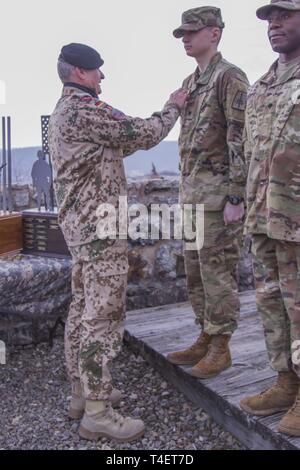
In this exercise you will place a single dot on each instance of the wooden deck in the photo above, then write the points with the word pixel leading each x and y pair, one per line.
pixel 157 331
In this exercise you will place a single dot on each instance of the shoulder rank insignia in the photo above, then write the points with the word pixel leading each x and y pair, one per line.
pixel 86 99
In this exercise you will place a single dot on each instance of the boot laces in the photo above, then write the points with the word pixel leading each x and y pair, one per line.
pixel 296 407
pixel 115 417
pixel 198 343
pixel 213 352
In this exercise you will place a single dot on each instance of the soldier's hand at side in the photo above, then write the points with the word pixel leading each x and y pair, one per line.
pixel 179 98
pixel 233 213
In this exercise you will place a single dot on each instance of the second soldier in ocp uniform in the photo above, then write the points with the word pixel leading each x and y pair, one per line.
pixel 88 141
pixel 273 194
pixel 213 173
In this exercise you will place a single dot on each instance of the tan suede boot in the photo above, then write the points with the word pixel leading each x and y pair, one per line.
pixel 193 354
pixel 77 403
pixel 217 359
pixel 278 398
pixel 290 423
pixel 101 420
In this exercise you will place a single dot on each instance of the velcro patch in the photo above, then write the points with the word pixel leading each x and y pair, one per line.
pixel 240 101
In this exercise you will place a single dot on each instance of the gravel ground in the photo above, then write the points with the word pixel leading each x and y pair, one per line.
pixel 34 401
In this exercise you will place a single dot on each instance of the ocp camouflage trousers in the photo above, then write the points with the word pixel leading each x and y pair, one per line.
pixel 276 267
pixel 212 276
pixel 95 324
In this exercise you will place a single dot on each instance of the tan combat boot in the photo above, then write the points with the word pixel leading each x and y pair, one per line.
pixel 101 420
pixel 278 398
pixel 290 423
pixel 217 359
pixel 77 403
pixel 193 354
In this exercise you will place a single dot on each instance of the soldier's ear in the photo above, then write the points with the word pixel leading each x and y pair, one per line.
pixel 79 72
pixel 216 34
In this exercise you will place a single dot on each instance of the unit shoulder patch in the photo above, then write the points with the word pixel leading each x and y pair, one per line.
pixel 240 101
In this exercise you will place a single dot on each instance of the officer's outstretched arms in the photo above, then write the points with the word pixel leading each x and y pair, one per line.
pixel 104 126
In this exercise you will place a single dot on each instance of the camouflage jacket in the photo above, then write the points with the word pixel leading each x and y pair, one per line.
pixel 272 147
pixel 212 160
pixel 87 146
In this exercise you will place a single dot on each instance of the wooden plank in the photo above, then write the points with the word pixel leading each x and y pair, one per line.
pixel 157 331
pixel 11 237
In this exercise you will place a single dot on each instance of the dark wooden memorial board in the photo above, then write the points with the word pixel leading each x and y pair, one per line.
pixel 42 235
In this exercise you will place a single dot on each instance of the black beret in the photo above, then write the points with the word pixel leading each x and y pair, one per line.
pixel 81 56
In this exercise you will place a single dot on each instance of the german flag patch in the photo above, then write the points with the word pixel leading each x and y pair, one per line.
pixel 100 104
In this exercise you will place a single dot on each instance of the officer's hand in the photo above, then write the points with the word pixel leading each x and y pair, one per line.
pixel 179 98
pixel 233 213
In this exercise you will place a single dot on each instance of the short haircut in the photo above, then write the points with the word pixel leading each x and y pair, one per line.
pixel 64 70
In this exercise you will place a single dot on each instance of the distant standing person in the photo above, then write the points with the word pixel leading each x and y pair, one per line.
pixel 213 173
pixel 88 141
pixel 273 220
pixel 41 178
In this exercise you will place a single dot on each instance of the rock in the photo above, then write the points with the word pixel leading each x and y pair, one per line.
pixel 46 426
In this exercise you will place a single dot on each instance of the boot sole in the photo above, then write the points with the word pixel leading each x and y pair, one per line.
pixel 198 375
pixel 95 436
pixel 289 431
pixel 270 412
pixel 183 363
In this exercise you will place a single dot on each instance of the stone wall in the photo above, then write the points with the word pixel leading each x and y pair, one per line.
pixel 156 274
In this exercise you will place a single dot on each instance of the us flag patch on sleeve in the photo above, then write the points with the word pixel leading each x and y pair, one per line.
pixel 240 101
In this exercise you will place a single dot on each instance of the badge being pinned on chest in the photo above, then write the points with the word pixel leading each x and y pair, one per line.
pixel 240 101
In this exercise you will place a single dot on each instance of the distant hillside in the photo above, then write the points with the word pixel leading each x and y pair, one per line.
pixel 164 156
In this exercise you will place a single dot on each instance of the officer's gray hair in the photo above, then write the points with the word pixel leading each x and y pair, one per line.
pixel 64 70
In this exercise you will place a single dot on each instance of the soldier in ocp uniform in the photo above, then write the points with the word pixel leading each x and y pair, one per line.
pixel 213 173
pixel 272 144
pixel 88 141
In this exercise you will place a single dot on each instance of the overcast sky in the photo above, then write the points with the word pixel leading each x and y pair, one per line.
pixel 143 62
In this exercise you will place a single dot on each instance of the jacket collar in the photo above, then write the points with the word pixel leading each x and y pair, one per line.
pixel 270 78
pixel 204 78
pixel 70 88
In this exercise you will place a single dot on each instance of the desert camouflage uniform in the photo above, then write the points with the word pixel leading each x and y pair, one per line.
pixel 213 167
pixel 272 144
pixel 88 142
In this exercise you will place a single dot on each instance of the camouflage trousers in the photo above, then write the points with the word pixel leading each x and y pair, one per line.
pixel 95 324
pixel 212 276
pixel 276 267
